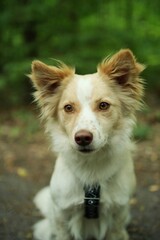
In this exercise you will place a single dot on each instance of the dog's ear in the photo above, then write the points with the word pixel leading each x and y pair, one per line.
pixel 122 67
pixel 48 82
pixel 122 71
pixel 48 78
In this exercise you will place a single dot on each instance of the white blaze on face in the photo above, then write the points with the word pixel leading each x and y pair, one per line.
pixel 84 95
pixel 87 119
pixel 84 89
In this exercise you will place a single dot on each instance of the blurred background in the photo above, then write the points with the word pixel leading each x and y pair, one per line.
pixel 80 33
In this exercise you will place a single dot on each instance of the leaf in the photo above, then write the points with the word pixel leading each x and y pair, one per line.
pixel 133 201
pixel 154 188
pixel 22 172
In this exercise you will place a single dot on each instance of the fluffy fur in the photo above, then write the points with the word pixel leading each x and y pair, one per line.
pixel 99 107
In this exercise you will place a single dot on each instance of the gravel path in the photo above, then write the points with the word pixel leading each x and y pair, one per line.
pixel 26 164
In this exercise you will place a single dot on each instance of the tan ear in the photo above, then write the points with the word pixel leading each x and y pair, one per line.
pixel 48 78
pixel 121 67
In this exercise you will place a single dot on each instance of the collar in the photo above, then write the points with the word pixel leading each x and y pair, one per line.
pixel 91 201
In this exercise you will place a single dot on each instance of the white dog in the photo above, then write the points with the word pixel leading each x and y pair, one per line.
pixel 90 120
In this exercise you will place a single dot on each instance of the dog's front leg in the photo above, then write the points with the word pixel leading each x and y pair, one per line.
pixel 62 233
pixel 61 228
pixel 118 235
pixel 120 218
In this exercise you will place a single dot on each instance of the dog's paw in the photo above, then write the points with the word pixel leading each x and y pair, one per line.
pixel 42 230
pixel 120 235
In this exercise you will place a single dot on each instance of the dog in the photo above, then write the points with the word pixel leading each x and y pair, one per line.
pixel 90 119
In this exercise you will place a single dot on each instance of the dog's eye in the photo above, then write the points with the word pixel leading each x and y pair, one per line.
pixel 68 108
pixel 104 106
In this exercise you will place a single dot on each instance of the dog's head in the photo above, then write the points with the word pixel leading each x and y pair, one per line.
pixel 85 111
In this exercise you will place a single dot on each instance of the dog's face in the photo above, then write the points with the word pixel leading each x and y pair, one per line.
pixel 89 109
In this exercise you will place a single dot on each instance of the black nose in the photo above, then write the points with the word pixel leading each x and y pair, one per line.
pixel 83 137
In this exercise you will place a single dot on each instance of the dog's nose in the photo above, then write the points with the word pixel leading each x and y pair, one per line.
pixel 83 137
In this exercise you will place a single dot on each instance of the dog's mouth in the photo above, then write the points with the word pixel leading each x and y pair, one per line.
pixel 85 150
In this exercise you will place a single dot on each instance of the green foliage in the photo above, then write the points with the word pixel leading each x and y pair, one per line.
pixel 79 33
pixel 157 116
pixel 18 123
pixel 142 131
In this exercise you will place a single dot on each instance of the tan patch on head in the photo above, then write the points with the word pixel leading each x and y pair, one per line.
pixel 49 77
pixel 123 71
pixel 68 96
pixel 119 75
pixel 49 82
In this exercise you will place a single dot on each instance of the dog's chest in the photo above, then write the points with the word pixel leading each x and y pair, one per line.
pixel 91 201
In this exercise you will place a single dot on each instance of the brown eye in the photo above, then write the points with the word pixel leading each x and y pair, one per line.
pixel 68 108
pixel 104 106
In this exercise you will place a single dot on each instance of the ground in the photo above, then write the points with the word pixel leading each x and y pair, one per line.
pixel 26 164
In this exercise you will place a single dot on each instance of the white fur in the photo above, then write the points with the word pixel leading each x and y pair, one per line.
pixel 87 118
pixel 109 164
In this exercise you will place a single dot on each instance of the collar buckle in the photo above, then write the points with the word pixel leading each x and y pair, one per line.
pixel 91 201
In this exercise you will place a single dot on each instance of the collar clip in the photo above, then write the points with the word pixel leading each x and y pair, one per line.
pixel 91 201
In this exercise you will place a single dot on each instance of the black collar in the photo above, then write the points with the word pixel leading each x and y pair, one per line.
pixel 91 201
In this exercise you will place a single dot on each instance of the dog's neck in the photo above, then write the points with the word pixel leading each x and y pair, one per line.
pixel 93 169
